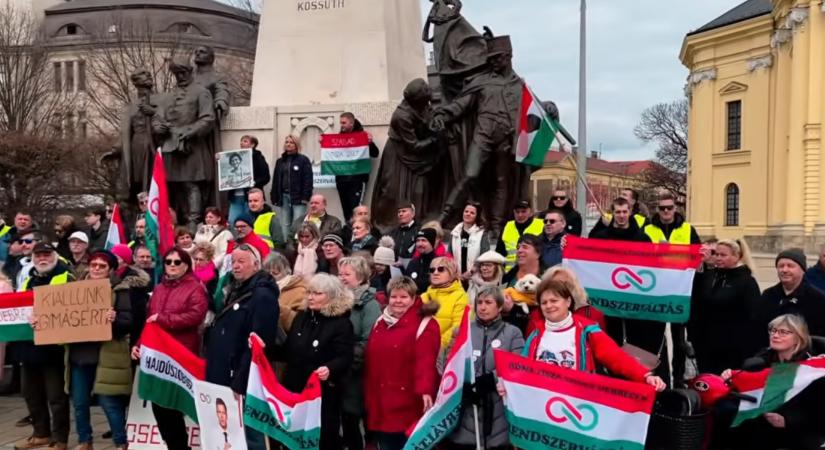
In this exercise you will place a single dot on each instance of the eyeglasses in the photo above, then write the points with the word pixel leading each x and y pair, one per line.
pixel 558 197
pixel 438 269
pixel 550 221
pixel 26 241
pixel 780 331
pixel 173 262
pixel 99 266
pixel 666 207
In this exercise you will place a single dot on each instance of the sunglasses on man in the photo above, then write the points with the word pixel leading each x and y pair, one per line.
pixel 550 221
pixel 26 241
pixel 666 207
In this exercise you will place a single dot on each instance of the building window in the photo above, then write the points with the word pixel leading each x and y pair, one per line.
pixel 81 75
pixel 734 125
pixel 732 205
pixel 70 76
pixel 58 77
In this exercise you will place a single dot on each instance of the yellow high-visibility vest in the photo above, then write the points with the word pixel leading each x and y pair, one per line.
pixel 262 227
pixel 511 236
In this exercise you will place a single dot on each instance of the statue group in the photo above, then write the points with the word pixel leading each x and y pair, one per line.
pixel 439 158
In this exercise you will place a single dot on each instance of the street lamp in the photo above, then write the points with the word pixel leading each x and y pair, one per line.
pixel 581 156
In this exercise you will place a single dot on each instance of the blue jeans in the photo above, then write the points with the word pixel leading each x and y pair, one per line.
pixel 114 406
pixel 289 212
pixel 237 206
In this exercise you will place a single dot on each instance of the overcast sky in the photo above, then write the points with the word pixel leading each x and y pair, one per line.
pixel 633 57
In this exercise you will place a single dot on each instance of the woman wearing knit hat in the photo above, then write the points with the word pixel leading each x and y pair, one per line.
pixel 384 268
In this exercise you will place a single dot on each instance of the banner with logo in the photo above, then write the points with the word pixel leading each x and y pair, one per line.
pixel 635 280
pixel 553 407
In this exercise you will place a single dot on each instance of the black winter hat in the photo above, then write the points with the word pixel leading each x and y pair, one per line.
pixel 795 254
pixel 426 233
pixel 335 238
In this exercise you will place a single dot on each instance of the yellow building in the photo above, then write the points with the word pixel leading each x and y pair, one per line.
pixel 756 83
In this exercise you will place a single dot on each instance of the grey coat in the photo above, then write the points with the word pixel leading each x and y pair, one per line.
pixel 365 312
pixel 501 336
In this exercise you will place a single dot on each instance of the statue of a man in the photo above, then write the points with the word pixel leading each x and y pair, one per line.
pixel 137 140
pixel 495 97
pixel 208 77
pixel 186 127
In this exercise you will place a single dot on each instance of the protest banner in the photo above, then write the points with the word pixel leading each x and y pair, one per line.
pixel 553 407
pixel 73 312
pixel 15 311
pixel 220 417
pixel 345 154
pixel 142 430
pixel 635 280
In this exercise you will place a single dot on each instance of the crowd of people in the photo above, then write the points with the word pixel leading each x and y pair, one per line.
pixel 374 312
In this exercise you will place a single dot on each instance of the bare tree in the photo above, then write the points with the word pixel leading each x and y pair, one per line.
pixel 666 124
pixel 30 97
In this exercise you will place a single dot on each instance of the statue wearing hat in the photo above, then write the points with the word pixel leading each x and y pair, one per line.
pixel 137 140
pixel 490 171
pixel 185 127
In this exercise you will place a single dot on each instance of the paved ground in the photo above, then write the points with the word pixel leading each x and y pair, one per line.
pixel 13 408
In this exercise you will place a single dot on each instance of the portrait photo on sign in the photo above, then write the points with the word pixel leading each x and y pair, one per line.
pixel 219 417
pixel 235 170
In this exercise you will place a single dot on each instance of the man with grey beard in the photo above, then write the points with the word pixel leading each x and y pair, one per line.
pixel 42 375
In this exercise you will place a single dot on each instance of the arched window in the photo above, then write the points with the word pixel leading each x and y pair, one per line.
pixel 185 28
pixel 70 29
pixel 732 205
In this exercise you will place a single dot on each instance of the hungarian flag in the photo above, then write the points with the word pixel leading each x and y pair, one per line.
pixel 440 420
pixel 15 311
pixel 159 229
pixel 537 131
pixel 345 154
pixel 168 371
pixel 635 280
pixel 224 277
pixel 774 387
pixel 553 407
pixel 116 235
pixel 291 419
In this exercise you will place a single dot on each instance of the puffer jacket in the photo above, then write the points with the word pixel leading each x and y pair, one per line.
pixel 477 244
pixel 181 306
pixel 486 337
pixel 365 311
pixel 451 300
pixel 114 365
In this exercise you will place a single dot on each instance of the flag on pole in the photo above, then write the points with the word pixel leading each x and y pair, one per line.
pixel 635 280
pixel 440 420
pixel 345 154
pixel 291 419
pixel 774 387
pixel 159 232
pixel 116 235
pixel 168 371
pixel 554 407
pixel 537 132
pixel 224 277
pixel 15 311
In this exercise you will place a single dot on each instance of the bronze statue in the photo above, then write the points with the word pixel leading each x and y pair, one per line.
pixel 137 140
pixel 494 99
pixel 216 83
pixel 412 167
pixel 186 126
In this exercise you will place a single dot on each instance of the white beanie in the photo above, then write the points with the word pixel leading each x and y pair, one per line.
pixel 384 256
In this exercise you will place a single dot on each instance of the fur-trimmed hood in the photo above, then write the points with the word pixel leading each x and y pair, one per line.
pixel 337 306
pixel 134 277
pixel 428 309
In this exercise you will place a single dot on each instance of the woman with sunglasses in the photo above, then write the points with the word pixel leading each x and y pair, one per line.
pixel 469 239
pixel 446 290
pixel 720 325
pixel 178 305
pixel 796 424
pixel 573 220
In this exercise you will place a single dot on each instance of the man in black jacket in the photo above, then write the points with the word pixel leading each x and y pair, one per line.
pixel 351 187
pixel 621 227
pixel 405 233
pixel 792 295
pixel 419 267
pixel 561 201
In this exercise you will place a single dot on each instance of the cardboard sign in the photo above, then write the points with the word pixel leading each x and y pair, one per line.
pixel 142 430
pixel 220 418
pixel 73 312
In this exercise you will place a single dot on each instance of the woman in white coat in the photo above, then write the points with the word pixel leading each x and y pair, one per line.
pixel 469 239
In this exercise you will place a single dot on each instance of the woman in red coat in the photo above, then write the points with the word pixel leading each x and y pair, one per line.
pixel 178 304
pixel 574 342
pixel 400 377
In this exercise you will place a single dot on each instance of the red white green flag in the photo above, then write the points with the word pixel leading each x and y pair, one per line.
pixel 635 280
pixel 116 235
pixel 774 387
pixel 291 419
pixel 553 407
pixel 537 133
pixel 168 371
pixel 345 154
pixel 15 311
pixel 440 420
pixel 159 232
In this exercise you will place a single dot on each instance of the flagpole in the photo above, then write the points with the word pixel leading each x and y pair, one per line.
pixel 478 434
pixel 581 155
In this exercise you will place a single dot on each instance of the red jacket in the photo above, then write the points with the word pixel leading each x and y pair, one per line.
pixel 253 240
pixel 398 370
pixel 588 312
pixel 440 250
pixel 592 346
pixel 181 306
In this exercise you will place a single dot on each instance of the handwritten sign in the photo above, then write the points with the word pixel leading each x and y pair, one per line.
pixel 72 312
